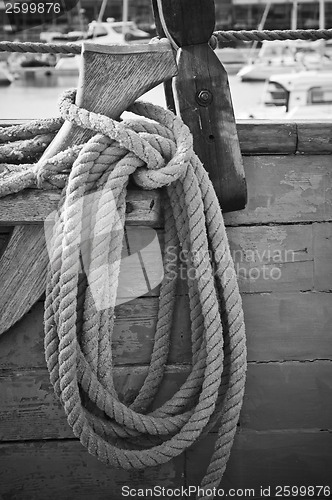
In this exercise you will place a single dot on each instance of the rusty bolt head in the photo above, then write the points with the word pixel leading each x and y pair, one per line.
pixel 204 97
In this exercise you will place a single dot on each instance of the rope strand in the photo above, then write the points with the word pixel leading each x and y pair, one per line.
pixel 220 36
pixel 80 308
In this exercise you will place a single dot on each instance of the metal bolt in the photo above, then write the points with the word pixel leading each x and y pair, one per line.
pixel 204 97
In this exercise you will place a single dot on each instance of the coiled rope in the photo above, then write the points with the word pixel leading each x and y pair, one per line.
pixel 157 153
pixel 218 36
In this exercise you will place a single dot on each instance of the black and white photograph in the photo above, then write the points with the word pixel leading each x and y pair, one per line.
pixel 165 249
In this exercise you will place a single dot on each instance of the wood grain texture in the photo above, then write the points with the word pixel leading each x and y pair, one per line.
pixel 287 395
pixel 111 79
pixel 212 124
pixel 186 29
pixel 23 266
pixel 274 258
pixel 66 471
pixel 286 189
pixel 271 137
pixel 323 251
pixel 314 137
pixel 33 206
pixel 282 189
pixel 30 410
pixel 279 327
pixel 268 459
pixel 288 326
pixel 134 70
pixel 259 137
pixel 4 238
pixel 211 120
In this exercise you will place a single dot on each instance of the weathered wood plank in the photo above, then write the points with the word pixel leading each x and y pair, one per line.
pixel 322 251
pixel 4 238
pixel 269 460
pixel 271 137
pixel 273 258
pixel 288 326
pixel 286 189
pixel 314 137
pixel 267 258
pixel 261 137
pixel 33 206
pixel 29 409
pixel 289 395
pixel 281 189
pixel 66 471
pixel 133 336
pixel 23 267
pixel 279 326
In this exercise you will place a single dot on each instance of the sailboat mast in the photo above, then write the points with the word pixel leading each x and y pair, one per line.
pixel 102 11
pixel 294 15
pixel 125 16
pixel 321 14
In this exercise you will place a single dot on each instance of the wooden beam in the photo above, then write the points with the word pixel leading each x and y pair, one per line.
pixel 65 470
pixel 278 396
pixel 272 137
pixel 202 96
pixel 282 189
pixel 280 326
pixel 267 460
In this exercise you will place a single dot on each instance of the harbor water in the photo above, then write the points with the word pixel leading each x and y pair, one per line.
pixel 37 98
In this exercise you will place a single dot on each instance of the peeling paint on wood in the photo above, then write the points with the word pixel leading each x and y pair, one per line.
pixel 279 326
pixel 281 189
pixel 274 398
pixel 284 432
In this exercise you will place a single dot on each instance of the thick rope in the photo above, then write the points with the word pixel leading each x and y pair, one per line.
pixel 260 36
pixel 41 48
pixel 218 36
pixel 156 153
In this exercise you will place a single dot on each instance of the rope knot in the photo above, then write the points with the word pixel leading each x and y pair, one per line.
pixel 162 145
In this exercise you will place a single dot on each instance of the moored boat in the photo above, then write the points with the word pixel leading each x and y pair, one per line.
pixel 6 77
pixel 287 56
pixel 294 96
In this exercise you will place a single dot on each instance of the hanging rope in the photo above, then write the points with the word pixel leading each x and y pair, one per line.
pixel 218 36
pixel 78 335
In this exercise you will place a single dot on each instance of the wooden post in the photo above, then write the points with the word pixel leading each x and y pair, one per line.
pixel 202 96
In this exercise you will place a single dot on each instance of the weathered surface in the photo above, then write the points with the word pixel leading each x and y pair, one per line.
pixel 282 246
pixel 65 471
pixel 281 189
pixel 269 459
pixel 279 326
pixel 260 137
pixel 271 137
pixel 30 411
pixel 314 137
pixel 23 266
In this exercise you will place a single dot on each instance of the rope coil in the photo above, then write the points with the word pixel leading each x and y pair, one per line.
pixel 157 153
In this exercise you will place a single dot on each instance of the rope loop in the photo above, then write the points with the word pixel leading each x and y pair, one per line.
pixel 85 248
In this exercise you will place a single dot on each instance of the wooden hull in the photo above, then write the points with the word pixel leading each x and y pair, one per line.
pixel 282 246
